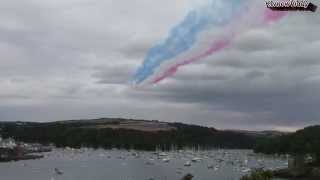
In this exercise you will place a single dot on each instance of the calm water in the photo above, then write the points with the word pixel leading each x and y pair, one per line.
pixel 87 164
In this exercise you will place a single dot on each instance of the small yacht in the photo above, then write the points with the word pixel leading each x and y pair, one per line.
pixel 58 171
pixel 187 164
pixel 166 160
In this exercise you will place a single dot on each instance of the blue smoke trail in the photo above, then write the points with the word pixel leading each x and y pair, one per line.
pixel 184 36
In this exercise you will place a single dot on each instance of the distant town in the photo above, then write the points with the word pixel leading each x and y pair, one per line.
pixel 10 150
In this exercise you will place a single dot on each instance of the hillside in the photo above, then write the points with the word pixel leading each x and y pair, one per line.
pixel 304 149
pixel 126 134
pixel 304 141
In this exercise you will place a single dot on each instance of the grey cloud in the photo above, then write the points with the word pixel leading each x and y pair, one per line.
pixel 118 74
pixel 258 40
pixel 254 74
pixel 135 50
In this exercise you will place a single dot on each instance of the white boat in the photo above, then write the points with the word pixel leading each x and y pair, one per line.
pixel 166 160
pixel 163 154
pixel 246 170
pixel 187 164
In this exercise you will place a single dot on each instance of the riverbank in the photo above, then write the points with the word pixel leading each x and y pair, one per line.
pixel 304 173
pixel 20 158
pixel 17 151
pixel 307 173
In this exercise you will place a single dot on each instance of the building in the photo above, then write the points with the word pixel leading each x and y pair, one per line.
pixel 7 143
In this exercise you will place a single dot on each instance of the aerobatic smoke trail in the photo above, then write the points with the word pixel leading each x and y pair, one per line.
pixel 172 70
pixel 184 36
pixel 269 16
pixel 232 17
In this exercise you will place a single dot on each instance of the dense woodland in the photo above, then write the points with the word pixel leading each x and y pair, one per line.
pixel 302 142
pixel 76 134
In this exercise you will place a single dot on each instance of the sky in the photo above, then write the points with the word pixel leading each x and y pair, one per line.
pixel 73 59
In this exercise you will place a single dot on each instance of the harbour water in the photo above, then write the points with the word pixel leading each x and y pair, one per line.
pixel 89 164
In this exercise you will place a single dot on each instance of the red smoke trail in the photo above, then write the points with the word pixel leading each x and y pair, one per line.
pixel 269 16
pixel 219 45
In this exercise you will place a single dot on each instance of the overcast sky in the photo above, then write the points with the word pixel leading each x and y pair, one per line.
pixel 73 60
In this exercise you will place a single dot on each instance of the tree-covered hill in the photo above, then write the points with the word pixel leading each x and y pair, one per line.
pixel 305 141
pixel 125 134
